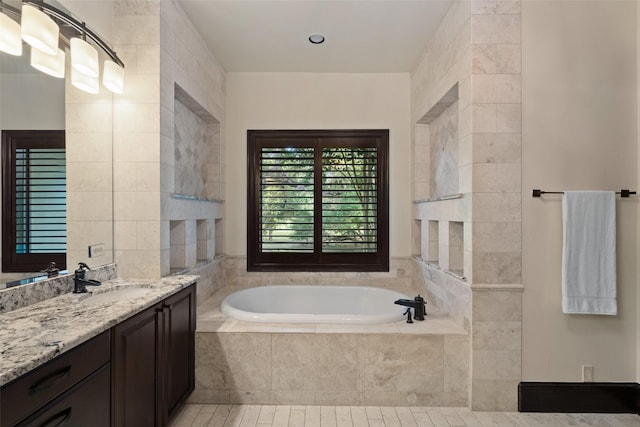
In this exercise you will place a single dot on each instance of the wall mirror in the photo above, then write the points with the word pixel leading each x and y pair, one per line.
pixel 33 101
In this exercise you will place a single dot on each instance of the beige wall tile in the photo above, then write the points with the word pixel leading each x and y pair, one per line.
pixel 509 118
pixel 484 118
pixel 485 365
pixel 495 29
pixel 497 88
pixel 509 365
pixel 314 363
pixel 496 207
pixel 497 267
pixel 456 363
pixel 497 335
pixel 496 177
pixel 508 58
pixel 485 58
pixel 496 237
pixel 233 361
pixel 388 357
pixel 490 7
pixel 497 147
pixel 494 395
pixel 497 306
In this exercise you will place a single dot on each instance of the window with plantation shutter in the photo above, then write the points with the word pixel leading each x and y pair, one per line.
pixel 317 200
pixel 34 200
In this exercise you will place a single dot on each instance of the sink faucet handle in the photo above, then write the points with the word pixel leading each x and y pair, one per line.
pixel 83 266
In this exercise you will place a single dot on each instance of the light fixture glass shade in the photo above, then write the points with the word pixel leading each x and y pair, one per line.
pixel 84 58
pixel 39 30
pixel 10 36
pixel 52 65
pixel 84 82
pixel 113 77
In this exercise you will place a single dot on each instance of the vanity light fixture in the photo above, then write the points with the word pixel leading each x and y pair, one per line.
pixel 316 38
pixel 39 30
pixel 113 77
pixel 84 57
pixel 84 82
pixel 52 65
pixel 10 36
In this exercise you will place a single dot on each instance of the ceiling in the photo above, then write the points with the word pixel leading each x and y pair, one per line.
pixel 362 36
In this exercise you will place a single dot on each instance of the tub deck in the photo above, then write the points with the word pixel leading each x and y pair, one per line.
pixel 210 319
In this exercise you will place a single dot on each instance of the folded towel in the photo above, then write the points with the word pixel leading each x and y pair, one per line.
pixel 589 252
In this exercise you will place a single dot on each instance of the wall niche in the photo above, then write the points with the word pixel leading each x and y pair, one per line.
pixel 437 147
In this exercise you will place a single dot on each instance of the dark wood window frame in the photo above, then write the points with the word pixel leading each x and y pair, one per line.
pixel 12 139
pixel 257 260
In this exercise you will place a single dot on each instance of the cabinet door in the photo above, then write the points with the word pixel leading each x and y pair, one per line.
pixel 136 367
pixel 179 340
pixel 86 404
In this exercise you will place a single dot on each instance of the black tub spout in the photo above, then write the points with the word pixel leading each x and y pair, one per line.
pixel 418 304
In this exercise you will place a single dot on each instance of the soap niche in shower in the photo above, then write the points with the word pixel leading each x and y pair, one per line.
pixel 197 149
pixel 436 149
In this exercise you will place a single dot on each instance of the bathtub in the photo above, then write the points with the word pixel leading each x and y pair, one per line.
pixel 314 304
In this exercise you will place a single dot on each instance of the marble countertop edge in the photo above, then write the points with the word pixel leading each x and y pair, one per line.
pixel 33 335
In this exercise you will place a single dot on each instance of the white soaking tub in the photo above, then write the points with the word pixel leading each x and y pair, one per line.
pixel 314 304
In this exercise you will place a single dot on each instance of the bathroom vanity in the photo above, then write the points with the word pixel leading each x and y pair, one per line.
pixel 120 356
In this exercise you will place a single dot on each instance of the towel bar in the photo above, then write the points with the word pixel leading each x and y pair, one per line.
pixel 538 193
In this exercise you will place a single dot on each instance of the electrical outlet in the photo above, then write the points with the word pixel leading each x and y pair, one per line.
pixel 96 250
pixel 587 373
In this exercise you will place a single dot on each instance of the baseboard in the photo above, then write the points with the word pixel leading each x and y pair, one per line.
pixel 579 397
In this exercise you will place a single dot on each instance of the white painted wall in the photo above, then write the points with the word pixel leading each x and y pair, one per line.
pixel 31 101
pixel 579 132
pixel 318 101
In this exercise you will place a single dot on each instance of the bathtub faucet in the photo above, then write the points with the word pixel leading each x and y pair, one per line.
pixel 418 304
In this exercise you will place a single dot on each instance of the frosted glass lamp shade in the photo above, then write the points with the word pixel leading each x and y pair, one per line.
pixel 113 77
pixel 10 36
pixel 84 82
pixel 52 65
pixel 84 58
pixel 39 30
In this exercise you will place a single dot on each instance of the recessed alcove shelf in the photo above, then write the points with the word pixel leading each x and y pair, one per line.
pixel 436 149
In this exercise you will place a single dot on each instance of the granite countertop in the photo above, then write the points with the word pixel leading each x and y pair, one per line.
pixel 35 334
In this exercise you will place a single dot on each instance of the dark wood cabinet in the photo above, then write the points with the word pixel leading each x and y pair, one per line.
pixel 153 362
pixel 35 390
pixel 179 316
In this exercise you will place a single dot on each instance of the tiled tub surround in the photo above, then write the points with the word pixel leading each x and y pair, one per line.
pixel 424 363
pixel 35 334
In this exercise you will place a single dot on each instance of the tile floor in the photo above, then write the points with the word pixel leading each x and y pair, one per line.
pixel 193 415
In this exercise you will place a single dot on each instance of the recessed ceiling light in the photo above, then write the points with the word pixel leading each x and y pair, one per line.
pixel 316 38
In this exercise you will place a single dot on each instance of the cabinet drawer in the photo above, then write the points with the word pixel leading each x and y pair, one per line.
pixel 33 390
pixel 84 405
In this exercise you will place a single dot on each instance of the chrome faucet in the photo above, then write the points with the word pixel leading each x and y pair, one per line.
pixel 418 304
pixel 79 281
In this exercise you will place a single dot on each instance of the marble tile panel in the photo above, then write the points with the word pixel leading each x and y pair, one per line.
pixel 88 175
pixel 208 396
pixel 456 363
pixel 509 365
pixel 339 398
pixel 392 361
pixel 292 397
pixel 497 267
pixel 248 397
pixel 509 118
pixel 239 361
pixel 497 88
pixel 484 118
pixel 132 206
pixel 125 234
pixel 495 7
pixel 137 7
pixel 485 58
pixel 508 58
pixel 497 306
pixel 498 147
pixel 89 206
pixel 497 207
pixel 136 147
pixel 495 29
pixel 485 365
pixel 495 395
pixel 137 29
pixel 497 237
pixel 497 335
pixel 497 177
pixel 311 362
pixel 96 146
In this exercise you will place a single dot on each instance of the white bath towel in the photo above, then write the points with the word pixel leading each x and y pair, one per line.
pixel 589 252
